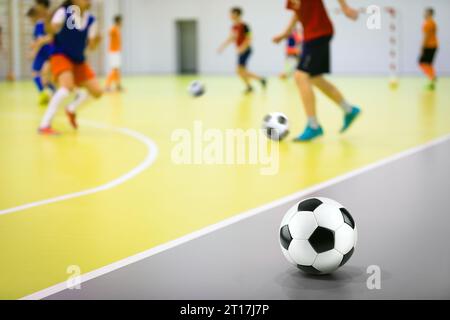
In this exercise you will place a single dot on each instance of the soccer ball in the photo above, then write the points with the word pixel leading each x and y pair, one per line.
pixel 196 89
pixel 318 235
pixel 393 82
pixel 276 126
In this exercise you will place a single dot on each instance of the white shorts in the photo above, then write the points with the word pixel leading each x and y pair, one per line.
pixel 115 60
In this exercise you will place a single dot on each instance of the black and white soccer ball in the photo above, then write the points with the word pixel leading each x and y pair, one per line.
pixel 276 126
pixel 196 89
pixel 318 235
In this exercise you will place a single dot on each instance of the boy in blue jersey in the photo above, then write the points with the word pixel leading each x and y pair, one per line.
pixel 41 54
pixel 74 30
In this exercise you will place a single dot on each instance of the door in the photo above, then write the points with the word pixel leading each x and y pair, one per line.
pixel 187 46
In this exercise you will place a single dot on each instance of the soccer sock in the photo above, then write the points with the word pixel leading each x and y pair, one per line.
pixel 52 108
pixel 80 97
pixel 38 81
pixel 347 107
pixel 313 123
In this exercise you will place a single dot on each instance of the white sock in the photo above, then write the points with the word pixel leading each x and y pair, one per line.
pixel 313 123
pixel 52 108
pixel 347 107
pixel 80 97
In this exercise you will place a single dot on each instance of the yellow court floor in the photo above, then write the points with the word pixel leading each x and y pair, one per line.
pixel 162 201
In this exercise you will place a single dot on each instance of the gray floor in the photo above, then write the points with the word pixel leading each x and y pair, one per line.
pixel 402 211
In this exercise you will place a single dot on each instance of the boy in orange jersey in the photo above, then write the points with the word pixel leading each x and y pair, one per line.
pixel 429 47
pixel 115 56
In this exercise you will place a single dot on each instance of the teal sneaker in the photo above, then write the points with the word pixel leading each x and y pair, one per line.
pixel 309 134
pixel 350 118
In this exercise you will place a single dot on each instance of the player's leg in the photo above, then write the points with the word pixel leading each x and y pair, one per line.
pixel 117 66
pixel 306 90
pixel 426 64
pixel 351 111
pixel 66 84
pixel 47 76
pixel 243 75
pixel 119 79
pixel 249 75
pixel 253 76
pixel 85 78
pixel 94 88
pixel 110 80
pixel 310 65
pixel 38 81
pixel 114 76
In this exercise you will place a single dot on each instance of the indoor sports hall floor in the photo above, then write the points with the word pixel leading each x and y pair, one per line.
pixel 111 194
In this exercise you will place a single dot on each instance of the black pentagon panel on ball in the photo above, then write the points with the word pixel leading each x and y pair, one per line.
pixel 309 205
pixel 270 131
pixel 267 118
pixel 285 237
pixel 347 257
pixel 282 120
pixel 322 240
pixel 348 219
pixel 309 269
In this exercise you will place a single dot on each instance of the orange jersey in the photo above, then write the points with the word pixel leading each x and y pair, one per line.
pixel 115 41
pixel 430 33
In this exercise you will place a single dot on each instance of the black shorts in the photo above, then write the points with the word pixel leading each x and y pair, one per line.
pixel 428 55
pixel 243 57
pixel 315 56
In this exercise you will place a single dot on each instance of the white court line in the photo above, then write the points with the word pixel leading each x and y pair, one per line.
pixel 225 223
pixel 147 162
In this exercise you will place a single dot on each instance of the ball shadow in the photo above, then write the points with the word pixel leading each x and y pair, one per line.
pixel 298 280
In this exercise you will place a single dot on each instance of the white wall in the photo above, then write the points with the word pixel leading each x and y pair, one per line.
pixel 149 35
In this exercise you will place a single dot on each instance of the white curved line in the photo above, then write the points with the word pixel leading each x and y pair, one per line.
pixel 148 161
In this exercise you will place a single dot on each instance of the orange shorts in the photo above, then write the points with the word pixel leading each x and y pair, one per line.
pixel 82 72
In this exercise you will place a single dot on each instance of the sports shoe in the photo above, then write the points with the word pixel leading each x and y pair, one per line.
pixel 350 118
pixel 48 132
pixel 309 134
pixel 249 90
pixel 264 83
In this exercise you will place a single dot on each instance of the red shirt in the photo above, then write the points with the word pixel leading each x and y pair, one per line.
pixel 242 31
pixel 313 16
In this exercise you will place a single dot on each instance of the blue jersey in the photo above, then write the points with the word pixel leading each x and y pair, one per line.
pixel 72 42
pixel 39 31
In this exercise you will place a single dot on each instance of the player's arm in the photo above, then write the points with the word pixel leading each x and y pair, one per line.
pixel 231 38
pixel 288 30
pixel 43 40
pixel 348 11
pixel 94 37
pixel 55 23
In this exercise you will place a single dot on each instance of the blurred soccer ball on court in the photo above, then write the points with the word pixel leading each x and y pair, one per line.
pixel 393 82
pixel 196 89
pixel 318 236
pixel 276 126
